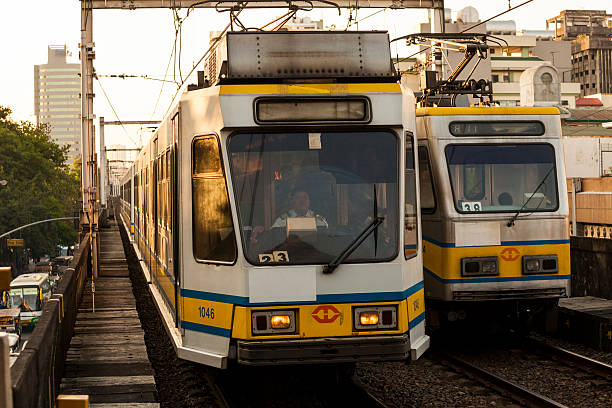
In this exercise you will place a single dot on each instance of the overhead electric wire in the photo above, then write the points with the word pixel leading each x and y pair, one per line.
pixel 365 18
pixel 113 109
pixel 210 48
pixel 125 76
pixel 460 32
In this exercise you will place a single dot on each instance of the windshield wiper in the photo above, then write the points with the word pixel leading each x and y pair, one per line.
pixel 330 267
pixel 511 222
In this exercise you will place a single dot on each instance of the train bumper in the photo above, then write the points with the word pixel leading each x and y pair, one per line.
pixel 510 294
pixel 323 351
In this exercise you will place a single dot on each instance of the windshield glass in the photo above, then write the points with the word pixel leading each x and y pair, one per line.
pixel 503 178
pixel 303 197
pixel 25 298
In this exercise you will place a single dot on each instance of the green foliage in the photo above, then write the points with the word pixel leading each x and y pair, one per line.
pixel 41 185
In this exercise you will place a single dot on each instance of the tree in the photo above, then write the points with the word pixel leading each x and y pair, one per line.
pixel 41 185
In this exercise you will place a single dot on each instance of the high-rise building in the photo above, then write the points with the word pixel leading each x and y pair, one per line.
pixel 57 101
pixel 589 32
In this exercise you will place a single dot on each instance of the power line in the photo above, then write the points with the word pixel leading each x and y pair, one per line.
pixel 210 48
pixel 126 76
pixel 113 109
pixel 461 32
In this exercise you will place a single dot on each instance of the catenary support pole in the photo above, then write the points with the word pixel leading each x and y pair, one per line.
pixel 103 170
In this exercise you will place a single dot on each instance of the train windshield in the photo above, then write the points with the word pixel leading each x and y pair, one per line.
pixel 304 197
pixel 503 177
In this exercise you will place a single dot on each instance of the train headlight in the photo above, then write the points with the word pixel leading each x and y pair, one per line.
pixel 280 321
pixel 368 318
pixel 532 265
pixel 482 266
pixel 375 317
pixel 536 264
pixel 273 322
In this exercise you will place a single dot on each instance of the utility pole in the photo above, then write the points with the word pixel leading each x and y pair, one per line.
pixel 89 216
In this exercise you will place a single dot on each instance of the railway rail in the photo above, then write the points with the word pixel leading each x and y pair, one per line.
pixel 504 386
pixel 570 358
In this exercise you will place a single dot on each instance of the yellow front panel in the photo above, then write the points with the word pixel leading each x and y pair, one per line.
pixel 446 262
pixel 326 320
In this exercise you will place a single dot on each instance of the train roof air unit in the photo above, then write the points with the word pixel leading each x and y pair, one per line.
pixel 269 57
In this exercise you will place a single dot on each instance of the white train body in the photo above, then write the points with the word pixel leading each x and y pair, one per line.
pixel 237 272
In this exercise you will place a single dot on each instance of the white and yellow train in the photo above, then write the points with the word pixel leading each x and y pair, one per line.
pixel 276 208
pixel 494 211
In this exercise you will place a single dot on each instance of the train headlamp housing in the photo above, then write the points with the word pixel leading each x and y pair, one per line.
pixel 269 322
pixel 536 264
pixel 481 266
pixel 375 317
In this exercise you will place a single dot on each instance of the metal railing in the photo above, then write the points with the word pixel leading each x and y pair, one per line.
pixel 37 372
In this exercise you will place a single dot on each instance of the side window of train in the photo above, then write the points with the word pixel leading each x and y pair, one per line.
pixel 474 181
pixel 410 206
pixel 214 238
pixel 428 197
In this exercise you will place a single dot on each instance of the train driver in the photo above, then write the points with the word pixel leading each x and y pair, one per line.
pixel 299 207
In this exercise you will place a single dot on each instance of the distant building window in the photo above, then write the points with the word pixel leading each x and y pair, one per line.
pixel 586 86
pixel 565 102
pixel 592 85
pixel 593 72
pixel 495 78
pixel 506 78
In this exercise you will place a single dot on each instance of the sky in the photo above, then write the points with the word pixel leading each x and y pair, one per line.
pixel 139 42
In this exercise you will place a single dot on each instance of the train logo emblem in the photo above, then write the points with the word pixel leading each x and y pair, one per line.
pixel 326 314
pixel 510 254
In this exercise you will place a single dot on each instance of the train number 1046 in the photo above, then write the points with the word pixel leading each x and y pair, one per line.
pixel 208 312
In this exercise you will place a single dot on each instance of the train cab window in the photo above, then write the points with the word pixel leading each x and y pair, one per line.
pixel 503 177
pixel 428 198
pixel 213 231
pixel 410 206
pixel 303 197
pixel 474 181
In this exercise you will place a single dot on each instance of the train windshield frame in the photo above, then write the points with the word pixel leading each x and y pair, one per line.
pixel 503 178
pixel 303 196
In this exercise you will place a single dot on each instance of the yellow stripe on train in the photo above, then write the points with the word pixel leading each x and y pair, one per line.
pixel 283 89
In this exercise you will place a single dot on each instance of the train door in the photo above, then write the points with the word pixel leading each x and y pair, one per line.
pixel 145 214
pixel 173 225
pixel 155 210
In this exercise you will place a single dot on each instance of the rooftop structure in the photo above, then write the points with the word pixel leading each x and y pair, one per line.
pixel 590 33
pixel 571 24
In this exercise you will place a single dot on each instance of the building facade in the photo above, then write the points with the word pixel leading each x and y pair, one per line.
pixel 589 32
pixel 57 101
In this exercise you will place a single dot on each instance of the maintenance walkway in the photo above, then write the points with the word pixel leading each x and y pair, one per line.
pixel 107 358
